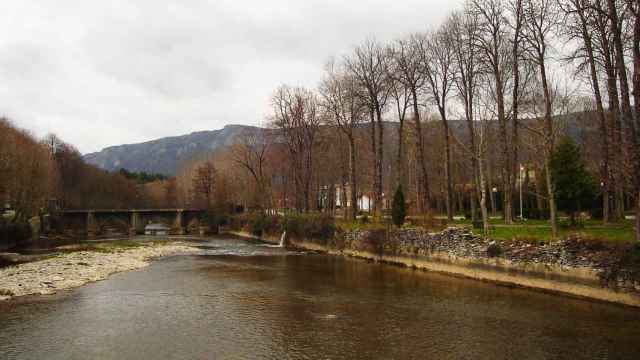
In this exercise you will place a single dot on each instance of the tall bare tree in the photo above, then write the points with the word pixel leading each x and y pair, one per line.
pixel 204 182
pixel 342 101
pixel 464 29
pixel 296 115
pixel 495 53
pixel 369 65
pixel 439 71
pixel 580 15
pixel 635 11
pixel 542 18
pixel 251 153
pixel 406 62
pixel 401 96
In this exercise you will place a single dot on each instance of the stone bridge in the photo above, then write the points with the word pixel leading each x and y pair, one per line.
pixel 104 222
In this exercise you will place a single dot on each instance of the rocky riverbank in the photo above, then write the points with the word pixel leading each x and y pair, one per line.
pixel 74 269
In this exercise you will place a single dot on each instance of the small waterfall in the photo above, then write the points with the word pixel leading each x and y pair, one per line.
pixel 284 235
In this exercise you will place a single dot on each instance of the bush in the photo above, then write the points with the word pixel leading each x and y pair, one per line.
pixel 398 210
pixel 14 232
pixel 261 224
pixel 364 219
pixel 310 226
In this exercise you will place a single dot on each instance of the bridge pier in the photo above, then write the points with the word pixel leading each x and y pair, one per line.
pixel 178 227
pixel 92 225
pixel 135 223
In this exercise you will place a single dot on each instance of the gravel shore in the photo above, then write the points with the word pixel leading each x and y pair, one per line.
pixel 78 268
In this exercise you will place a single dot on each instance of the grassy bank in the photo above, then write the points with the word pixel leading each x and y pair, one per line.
pixel 322 226
pixel 540 231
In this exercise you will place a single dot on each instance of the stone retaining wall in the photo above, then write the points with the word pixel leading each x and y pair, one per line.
pixel 570 267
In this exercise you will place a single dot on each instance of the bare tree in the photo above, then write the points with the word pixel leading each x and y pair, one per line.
pixel 402 98
pixel 580 15
pixel 464 29
pixel 517 19
pixel 296 115
pixel 439 71
pixel 342 101
pixel 250 152
pixel 368 64
pixel 407 68
pixel 635 11
pixel 204 181
pixel 603 47
pixel 542 18
pixel 495 55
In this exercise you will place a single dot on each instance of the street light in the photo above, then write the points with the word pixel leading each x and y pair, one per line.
pixel 521 181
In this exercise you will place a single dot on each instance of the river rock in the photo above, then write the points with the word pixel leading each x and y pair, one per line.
pixel 53 274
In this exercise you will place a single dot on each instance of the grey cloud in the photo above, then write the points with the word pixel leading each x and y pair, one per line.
pixel 121 71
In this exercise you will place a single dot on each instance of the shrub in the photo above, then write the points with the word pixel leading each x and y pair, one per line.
pixel 310 226
pixel 398 210
pixel 364 219
pixel 14 232
pixel 260 224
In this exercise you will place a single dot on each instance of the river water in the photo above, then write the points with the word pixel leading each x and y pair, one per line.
pixel 242 300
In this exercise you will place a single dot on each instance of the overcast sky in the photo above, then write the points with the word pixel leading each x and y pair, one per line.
pixel 100 73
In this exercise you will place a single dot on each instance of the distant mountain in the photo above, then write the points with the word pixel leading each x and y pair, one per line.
pixel 164 155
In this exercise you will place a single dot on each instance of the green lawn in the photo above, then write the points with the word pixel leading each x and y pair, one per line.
pixel 540 231
pixel 535 231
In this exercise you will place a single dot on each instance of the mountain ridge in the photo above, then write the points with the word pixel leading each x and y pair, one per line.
pixel 164 155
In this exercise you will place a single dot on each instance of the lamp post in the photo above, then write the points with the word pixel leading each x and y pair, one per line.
pixel 521 181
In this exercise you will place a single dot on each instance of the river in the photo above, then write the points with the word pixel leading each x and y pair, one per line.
pixel 243 300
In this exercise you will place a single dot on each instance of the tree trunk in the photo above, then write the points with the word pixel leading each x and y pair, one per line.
pixel 552 199
pixel 447 167
pixel 627 113
pixel 352 180
pixel 400 172
pixel 423 179
pixel 636 97
pixel 492 196
pixel 483 200
pixel 549 144
pixel 516 88
pixel 506 157
pixel 378 199
pixel 374 154
pixel 604 170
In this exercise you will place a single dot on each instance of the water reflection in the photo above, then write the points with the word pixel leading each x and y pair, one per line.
pixel 239 300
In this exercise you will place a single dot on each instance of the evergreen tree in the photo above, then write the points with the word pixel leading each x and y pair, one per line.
pixel 398 210
pixel 573 184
